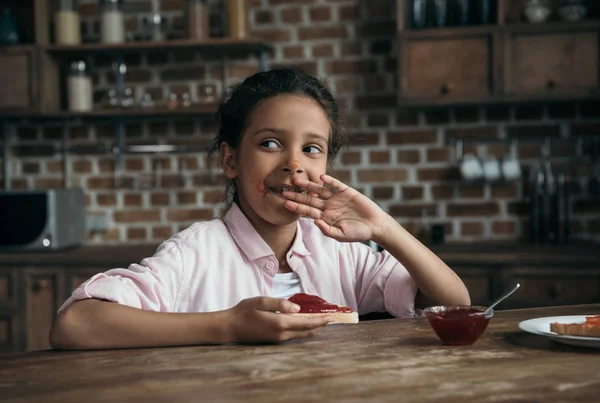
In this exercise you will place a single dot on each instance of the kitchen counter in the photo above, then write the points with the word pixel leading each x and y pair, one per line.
pixel 499 254
pixel 384 361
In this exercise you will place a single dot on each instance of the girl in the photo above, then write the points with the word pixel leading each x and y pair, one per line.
pixel 290 228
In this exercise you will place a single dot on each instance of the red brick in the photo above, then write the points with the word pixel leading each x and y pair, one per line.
pixel 345 85
pixel 132 199
pixel 160 199
pixel 438 174
pixel 173 5
pixel 106 199
pixel 320 14
pixel 293 52
pixel 375 82
pixel 378 120
pixel 189 215
pixel 407 118
pixel 471 228
pixel 264 17
pixel 18 184
pixel 379 157
pixel 213 196
pixel 409 210
pixel 442 192
pixel 376 101
pixel 82 166
pixel 162 232
pixel 472 209
pixel 47 183
pixel 53 167
pixel 134 164
pixel 185 197
pixel 349 12
pixel 112 234
pixel 326 32
pixel 412 192
pixel 132 76
pixel 504 191
pixel 383 192
pixel 475 133
pixel 471 191
pixel 380 9
pixel 322 50
pixel 276 2
pixel 291 15
pixel 408 156
pixel 31 168
pixel 351 67
pixel 351 49
pixel 351 158
pixel 504 227
pixel 382 175
pixel 137 216
pixel 136 234
pixel 439 154
pixel 533 131
pixel 364 139
pixel 340 174
pixel 89 10
pixel 183 73
pixel 585 129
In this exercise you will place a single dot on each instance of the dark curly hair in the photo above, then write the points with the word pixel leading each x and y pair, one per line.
pixel 237 107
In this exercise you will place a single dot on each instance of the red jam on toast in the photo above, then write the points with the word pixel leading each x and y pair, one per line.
pixel 313 304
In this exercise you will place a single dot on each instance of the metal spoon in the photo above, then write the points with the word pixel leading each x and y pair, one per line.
pixel 503 297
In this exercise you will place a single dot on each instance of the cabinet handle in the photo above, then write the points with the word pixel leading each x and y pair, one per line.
pixel 40 284
pixel 551 84
pixel 555 290
pixel 447 88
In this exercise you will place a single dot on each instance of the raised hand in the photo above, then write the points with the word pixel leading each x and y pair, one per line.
pixel 343 213
pixel 265 319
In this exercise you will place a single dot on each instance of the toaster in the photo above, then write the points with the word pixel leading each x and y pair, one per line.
pixel 39 220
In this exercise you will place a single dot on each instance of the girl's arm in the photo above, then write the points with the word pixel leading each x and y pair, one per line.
pixel 438 283
pixel 96 324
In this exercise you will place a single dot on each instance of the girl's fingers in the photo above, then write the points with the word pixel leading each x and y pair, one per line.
pixel 301 198
pixel 303 209
pixel 334 183
pixel 321 191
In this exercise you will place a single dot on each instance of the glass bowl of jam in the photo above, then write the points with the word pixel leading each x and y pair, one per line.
pixel 458 325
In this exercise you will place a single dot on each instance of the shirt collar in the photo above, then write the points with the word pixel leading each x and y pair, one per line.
pixel 250 242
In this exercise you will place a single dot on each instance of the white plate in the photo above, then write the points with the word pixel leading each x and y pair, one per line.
pixel 541 326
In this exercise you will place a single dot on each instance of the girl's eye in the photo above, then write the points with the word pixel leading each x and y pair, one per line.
pixel 269 144
pixel 312 149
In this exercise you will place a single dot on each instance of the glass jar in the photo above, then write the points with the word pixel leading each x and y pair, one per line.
pixel 112 21
pixel 237 21
pixel 198 22
pixel 79 87
pixel 537 11
pixel 572 10
pixel 155 27
pixel 66 23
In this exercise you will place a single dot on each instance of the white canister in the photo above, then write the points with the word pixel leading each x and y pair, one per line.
pixel 112 22
pixel 66 27
pixel 80 88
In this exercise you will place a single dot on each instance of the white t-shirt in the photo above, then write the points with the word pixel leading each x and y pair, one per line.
pixel 286 285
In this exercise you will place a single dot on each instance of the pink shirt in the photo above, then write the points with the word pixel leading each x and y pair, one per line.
pixel 213 265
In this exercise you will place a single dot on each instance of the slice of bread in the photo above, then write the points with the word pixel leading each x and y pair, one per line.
pixel 338 317
pixel 575 329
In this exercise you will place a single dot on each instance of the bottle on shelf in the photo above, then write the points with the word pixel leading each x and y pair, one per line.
pixel 66 23
pixel 112 21
pixel 197 19
pixel 79 87
pixel 237 19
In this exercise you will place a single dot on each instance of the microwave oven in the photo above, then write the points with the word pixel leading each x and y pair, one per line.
pixel 39 220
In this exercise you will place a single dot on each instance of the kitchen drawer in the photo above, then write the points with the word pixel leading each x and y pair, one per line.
pixel 552 287
pixel 443 68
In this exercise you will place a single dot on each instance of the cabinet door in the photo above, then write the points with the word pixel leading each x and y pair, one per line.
pixel 479 282
pixel 9 313
pixel 441 70
pixel 549 287
pixel 42 296
pixel 17 79
pixel 547 64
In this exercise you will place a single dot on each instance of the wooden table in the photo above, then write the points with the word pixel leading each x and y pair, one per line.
pixel 396 360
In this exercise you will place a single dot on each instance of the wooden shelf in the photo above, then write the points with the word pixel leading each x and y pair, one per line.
pixel 213 45
pixel 200 112
pixel 552 26
pixel 450 32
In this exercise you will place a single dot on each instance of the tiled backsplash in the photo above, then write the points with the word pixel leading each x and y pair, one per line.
pixel 403 159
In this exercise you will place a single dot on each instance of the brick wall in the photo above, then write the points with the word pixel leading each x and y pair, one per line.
pixel 403 159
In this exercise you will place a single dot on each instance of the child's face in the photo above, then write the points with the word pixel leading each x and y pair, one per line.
pixel 286 137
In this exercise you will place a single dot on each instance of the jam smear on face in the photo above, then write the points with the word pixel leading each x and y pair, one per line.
pixel 313 304
pixel 261 189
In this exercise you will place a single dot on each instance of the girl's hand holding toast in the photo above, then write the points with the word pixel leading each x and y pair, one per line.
pixel 343 214
pixel 263 319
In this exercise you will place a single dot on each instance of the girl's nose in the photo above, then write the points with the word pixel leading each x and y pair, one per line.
pixel 293 168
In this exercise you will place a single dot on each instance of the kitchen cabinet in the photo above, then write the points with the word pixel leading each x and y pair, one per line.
pixel 505 61
pixel 18 79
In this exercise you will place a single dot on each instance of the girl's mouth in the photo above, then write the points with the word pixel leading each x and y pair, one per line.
pixel 280 189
